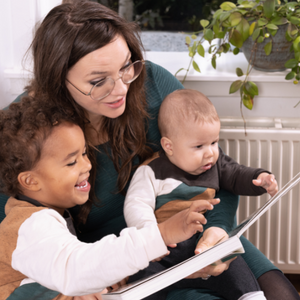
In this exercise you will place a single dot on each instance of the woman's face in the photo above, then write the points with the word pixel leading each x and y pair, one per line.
pixel 108 61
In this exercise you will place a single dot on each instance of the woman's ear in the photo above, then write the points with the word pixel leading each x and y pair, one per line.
pixel 167 145
pixel 28 181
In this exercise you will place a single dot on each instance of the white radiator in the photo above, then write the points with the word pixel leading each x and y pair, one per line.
pixel 272 144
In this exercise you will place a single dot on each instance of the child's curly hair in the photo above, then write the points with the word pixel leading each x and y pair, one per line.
pixel 24 127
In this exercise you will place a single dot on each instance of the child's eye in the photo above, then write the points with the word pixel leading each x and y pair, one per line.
pixel 199 146
pixel 72 163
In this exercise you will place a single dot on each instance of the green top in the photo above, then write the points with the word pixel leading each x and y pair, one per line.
pixel 107 217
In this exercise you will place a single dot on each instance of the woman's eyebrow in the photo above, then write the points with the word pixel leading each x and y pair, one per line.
pixel 103 73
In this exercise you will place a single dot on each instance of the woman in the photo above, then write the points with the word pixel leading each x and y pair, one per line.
pixel 88 60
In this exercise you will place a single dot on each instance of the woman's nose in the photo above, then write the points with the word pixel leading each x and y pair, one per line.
pixel 120 87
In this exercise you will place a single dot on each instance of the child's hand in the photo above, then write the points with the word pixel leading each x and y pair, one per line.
pixel 161 257
pixel 184 224
pixel 268 182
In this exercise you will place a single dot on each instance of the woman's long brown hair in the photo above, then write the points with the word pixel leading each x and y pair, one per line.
pixel 68 33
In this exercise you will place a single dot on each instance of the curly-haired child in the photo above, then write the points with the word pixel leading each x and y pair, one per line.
pixel 45 169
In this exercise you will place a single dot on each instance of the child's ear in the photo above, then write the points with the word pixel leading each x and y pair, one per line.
pixel 28 181
pixel 167 145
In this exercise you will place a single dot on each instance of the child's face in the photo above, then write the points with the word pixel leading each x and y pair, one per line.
pixel 63 169
pixel 195 147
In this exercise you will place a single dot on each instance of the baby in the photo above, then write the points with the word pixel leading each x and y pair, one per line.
pixel 44 167
pixel 190 167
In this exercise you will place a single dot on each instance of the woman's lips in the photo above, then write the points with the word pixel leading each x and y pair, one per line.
pixel 116 104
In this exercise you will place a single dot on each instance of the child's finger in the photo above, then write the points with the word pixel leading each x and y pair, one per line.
pixel 195 217
pixel 199 205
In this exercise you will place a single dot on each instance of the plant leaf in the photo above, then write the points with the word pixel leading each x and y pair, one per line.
pixel 291 63
pixel 216 28
pixel 273 32
pixel 260 39
pixel 213 62
pixel 290 75
pixel 221 35
pixel 272 26
pixel 236 51
pixel 196 67
pixel 269 8
pixel 209 35
pixel 255 34
pixel 262 22
pixel 235 86
pixel 224 16
pixel 236 39
pixel 247 101
pixel 268 47
pixel 239 72
pixel 279 20
pixel 251 88
pixel 251 28
pixel 227 6
pixel 194 36
pixel 235 18
pixel 296 44
pixel 200 50
pixel 243 28
pixel 295 20
pixel 188 40
pixel 204 23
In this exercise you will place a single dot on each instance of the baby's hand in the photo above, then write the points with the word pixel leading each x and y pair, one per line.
pixel 268 182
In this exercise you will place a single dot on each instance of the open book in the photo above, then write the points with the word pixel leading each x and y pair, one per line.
pixel 221 251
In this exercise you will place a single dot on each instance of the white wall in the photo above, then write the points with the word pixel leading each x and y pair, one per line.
pixel 17 22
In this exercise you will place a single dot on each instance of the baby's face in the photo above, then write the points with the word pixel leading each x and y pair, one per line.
pixel 63 169
pixel 195 147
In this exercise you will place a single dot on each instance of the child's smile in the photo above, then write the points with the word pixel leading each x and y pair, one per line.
pixel 63 171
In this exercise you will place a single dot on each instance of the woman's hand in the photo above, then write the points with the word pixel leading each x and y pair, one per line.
pixel 211 236
pixel 96 296
pixel 184 224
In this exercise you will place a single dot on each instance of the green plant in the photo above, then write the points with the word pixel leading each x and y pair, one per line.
pixel 232 25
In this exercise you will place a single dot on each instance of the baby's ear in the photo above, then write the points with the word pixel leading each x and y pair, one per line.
pixel 28 181
pixel 167 145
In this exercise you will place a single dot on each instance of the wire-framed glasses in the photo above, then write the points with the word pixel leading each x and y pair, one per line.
pixel 105 86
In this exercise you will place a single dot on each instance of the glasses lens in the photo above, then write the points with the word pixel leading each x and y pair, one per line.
pixel 132 72
pixel 102 89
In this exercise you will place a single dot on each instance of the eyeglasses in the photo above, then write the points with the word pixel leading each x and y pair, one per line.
pixel 105 86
